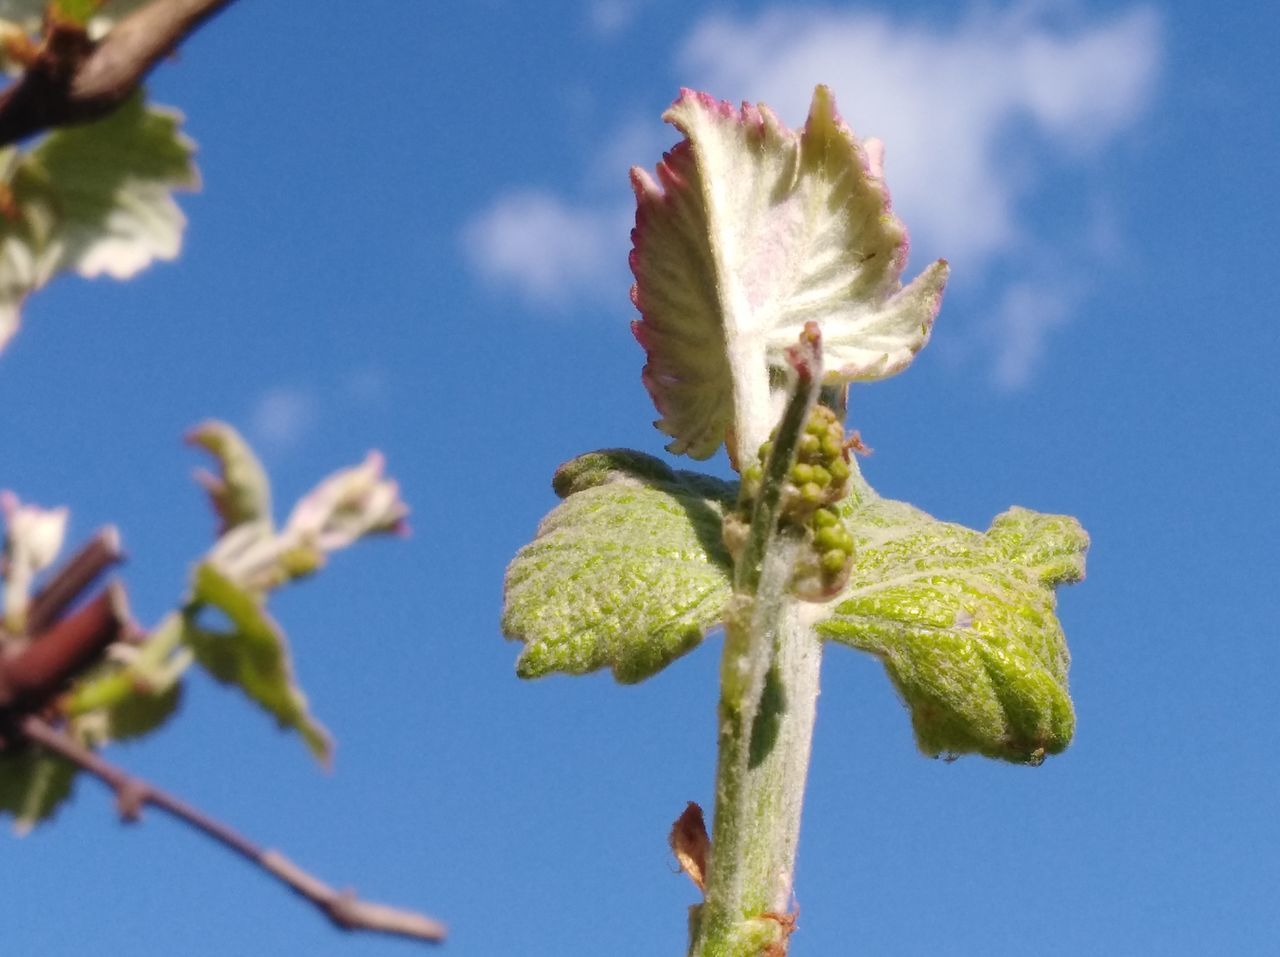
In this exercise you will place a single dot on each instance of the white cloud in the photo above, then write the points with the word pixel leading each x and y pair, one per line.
pixel 549 251
pixel 974 115
pixel 367 387
pixel 976 112
pixel 947 101
pixel 1020 327
pixel 608 18
pixel 283 416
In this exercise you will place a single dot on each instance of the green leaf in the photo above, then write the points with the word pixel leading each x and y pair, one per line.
pixel 965 624
pixel 33 783
pixel 629 572
pixel 114 703
pixel 94 199
pixel 750 231
pixel 242 492
pixel 137 714
pixel 79 12
pixel 100 15
pixel 252 655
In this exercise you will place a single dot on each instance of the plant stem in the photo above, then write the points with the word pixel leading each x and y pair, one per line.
pixel 343 908
pixel 70 579
pixel 78 82
pixel 768 695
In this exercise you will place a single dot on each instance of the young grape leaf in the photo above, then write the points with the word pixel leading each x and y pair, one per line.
pixel 964 623
pixel 94 199
pixel 253 654
pixel 116 701
pixel 33 783
pixel 628 572
pixel 242 492
pixel 750 231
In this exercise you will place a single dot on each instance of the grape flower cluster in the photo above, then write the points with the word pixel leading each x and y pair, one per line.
pixel 816 483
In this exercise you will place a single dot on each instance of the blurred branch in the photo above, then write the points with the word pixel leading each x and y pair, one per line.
pixel 132 794
pixel 34 676
pixel 72 577
pixel 73 80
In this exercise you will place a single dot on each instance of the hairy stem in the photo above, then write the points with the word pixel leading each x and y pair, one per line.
pixel 132 794
pixel 769 688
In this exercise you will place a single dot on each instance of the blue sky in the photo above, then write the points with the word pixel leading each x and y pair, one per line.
pixel 412 235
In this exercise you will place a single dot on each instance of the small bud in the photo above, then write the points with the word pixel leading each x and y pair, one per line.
pixel 833 562
pixel 811 493
pixel 829 538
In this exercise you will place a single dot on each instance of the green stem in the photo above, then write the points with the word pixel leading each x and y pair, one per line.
pixel 769 688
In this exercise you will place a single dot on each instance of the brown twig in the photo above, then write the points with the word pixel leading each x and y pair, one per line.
pixel 72 577
pixel 31 678
pixel 132 794
pixel 74 81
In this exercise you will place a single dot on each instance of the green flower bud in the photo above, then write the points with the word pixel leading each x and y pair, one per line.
pixel 825 518
pixel 811 493
pixel 833 562
pixel 829 538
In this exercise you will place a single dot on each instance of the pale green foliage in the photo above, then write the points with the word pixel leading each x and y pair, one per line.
pixel 964 622
pixel 32 785
pixel 628 572
pixel 26 15
pixel 242 492
pixel 95 200
pixel 760 252
pixel 251 654
pixel 750 231
pixel 223 623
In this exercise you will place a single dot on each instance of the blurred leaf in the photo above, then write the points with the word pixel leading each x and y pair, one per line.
pixel 253 655
pixel 629 572
pixel 100 15
pixel 32 539
pixel 345 507
pixel 94 199
pixel 114 702
pixel 965 625
pixel 79 12
pixel 242 492
pixel 750 231
pixel 33 783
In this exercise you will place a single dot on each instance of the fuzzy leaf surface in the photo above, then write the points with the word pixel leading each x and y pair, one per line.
pixel 965 624
pixel 94 199
pixel 252 655
pixel 628 572
pixel 749 231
